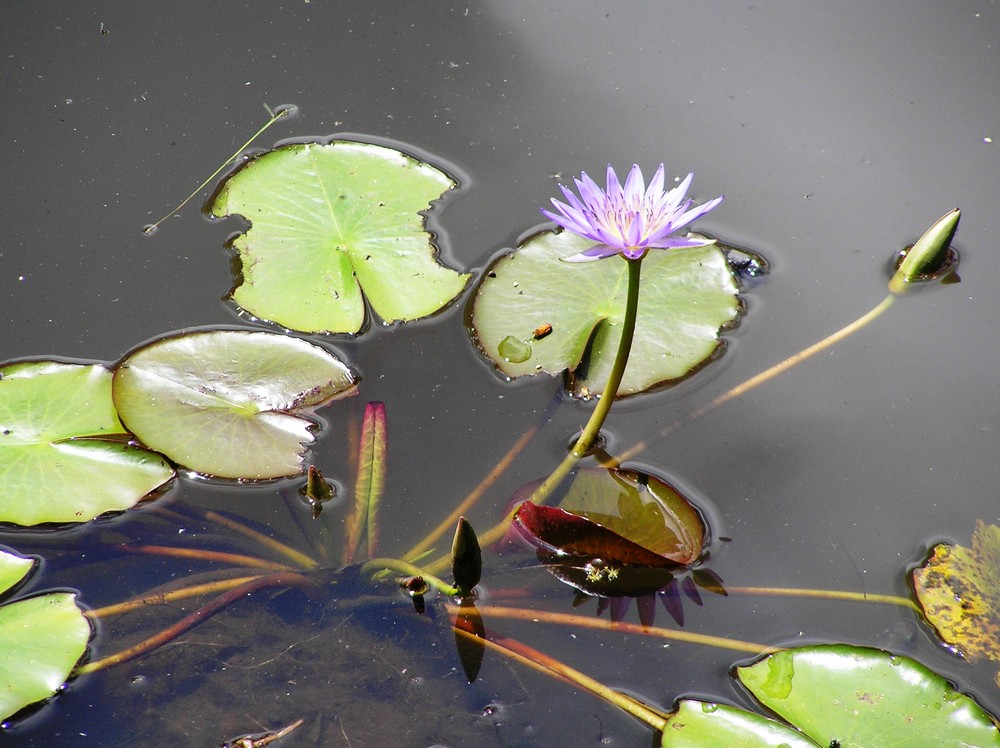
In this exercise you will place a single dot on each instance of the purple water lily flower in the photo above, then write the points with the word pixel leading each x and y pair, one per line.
pixel 628 220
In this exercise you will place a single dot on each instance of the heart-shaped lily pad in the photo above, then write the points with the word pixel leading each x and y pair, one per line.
pixel 330 221
pixel 229 403
pixel 42 638
pixel 63 455
pixel 534 313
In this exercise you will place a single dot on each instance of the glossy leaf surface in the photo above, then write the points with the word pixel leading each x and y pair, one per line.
pixel 959 591
pixel 13 570
pixel 687 296
pixel 331 225
pixel 699 724
pixel 63 454
pixel 866 697
pixel 229 403
pixel 42 638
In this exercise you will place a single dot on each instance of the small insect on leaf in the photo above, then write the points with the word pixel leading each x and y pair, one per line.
pixel 541 331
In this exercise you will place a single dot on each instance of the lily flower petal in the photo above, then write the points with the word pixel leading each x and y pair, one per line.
pixel 628 219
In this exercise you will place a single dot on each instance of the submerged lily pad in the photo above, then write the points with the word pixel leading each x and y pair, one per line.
pixel 622 516
pixel 42 638
pixel 959 591
pixel 330 221
pixel 63 454
pixel 615 533
pixel 686 297
pixel 229 403
pixel 859 696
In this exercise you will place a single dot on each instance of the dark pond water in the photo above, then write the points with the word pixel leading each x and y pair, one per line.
pixel 837 131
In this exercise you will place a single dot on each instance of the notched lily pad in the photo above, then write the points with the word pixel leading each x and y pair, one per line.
pixel 42 639
pixel 229 403
pixel 330 222
pixel 560 317
pixel 63 452
pixel 959 591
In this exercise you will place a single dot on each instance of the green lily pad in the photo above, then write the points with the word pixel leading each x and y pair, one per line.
pixel 702 724
pixel 959 591
pixel 559 316
pixel 42 638
pixel 860 696
pixel 63 457
pixel 229 403
pixel 13 570
pixel 330 221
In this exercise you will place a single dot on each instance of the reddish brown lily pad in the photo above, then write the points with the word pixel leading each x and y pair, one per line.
pixel 564 533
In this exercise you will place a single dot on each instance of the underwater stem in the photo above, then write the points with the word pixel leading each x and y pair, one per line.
pixel 161 598
pixel 404 567
pixel 236 559
pixel 568 619
pixel 449 522
pixel 545 664
pixel 202 614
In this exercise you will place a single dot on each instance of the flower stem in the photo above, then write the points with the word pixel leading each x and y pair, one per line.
pixel 608 394
pixel 593 428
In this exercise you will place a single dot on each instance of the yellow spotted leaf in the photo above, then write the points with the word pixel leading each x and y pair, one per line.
pixel 959 591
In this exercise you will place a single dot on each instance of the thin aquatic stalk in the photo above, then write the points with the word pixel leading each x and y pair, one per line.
pixel 405 567
pixel 856 597
pixel 569 619
pixel 200 615
pixel 275 116
pixel 161 598
pixel 463 508
pixel 543 663
pixel 236 559
pixel 297 557
pixel 765 376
